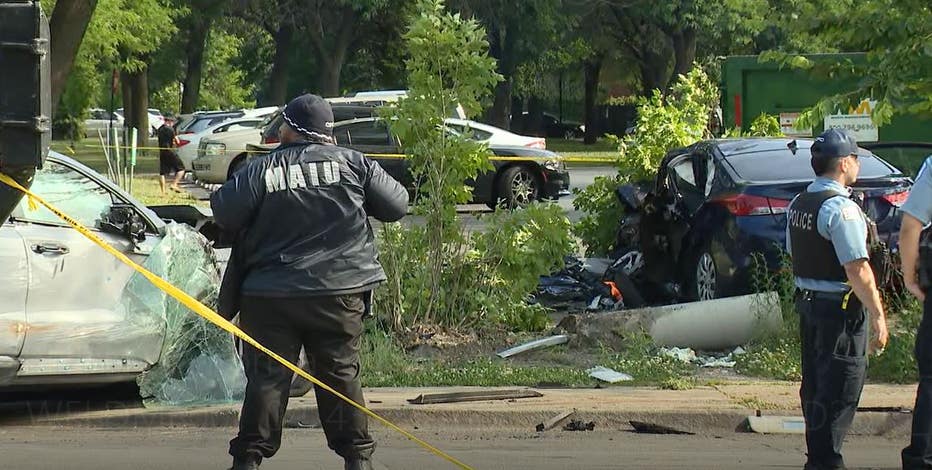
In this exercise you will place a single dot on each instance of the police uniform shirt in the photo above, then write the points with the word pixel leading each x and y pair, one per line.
pixel 919 203
pixel 841 222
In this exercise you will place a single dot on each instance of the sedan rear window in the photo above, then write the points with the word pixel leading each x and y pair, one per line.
pixel 782 165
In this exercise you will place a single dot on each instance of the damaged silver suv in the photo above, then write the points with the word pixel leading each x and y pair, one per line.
pixel 71 313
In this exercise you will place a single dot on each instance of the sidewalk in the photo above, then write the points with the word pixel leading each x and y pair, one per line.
pixel 709 409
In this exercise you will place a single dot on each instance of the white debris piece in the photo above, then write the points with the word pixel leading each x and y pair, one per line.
pixel 608 375
pixel 725 362
pixel 728 361
pixel 683 354
pixel 536 344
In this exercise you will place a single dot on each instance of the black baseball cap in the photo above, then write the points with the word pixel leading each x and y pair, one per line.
pixel 829 145
pixel 310 114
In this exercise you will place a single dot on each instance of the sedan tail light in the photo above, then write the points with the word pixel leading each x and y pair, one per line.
pixel 270 140
pixel 183 142
pixel 896 199
pixel 745 204
pixel 538 144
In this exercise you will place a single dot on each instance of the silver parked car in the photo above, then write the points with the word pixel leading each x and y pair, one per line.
pixel 100 120
pixel 71 313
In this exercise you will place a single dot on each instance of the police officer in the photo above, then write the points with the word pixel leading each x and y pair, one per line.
pixel 827 238
pixel 308 266
pixel 918 214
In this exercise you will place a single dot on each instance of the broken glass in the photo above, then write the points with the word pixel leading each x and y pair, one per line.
pixel 198 363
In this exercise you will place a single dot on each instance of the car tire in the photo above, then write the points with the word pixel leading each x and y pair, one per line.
pixel 569 135
pixel 703 280
pixel 518 187
pixel 236 164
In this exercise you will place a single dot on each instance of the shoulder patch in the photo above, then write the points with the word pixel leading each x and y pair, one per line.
pixel 850 213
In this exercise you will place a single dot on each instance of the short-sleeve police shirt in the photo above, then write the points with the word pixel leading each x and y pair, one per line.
pixel 919 203
pixel 842 222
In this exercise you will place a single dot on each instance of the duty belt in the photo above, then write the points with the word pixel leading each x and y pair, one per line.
pixel 842 297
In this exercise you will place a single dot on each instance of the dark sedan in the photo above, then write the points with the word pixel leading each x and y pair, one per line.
pixel 521 174
pixel 716 203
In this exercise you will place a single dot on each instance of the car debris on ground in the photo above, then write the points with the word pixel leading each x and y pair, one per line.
pixel 554 421
pixel 652 428
pixel 608 375
pixel 577 425
pixel 480 395
pixel 580 286
pixel 686 355
pixel 536 344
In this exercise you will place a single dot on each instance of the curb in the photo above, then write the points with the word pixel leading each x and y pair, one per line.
pixel 719 422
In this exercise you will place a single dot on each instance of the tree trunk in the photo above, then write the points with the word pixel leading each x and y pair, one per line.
pixel 654 75
pixel 197 42
pixel 330 78
pixel 515 121
pixel 684 51
pixel 278 79
pixel 498 115
pixel 66 29
pixel 126 85
pixel 592 70
pixel 140 85
pixel 331 59
pixel 535 117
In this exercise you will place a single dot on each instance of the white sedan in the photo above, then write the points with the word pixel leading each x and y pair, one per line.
pixel 188 143
pixel 494 136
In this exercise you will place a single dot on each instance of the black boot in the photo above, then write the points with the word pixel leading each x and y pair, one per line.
pixel 249 463
pixel 358 463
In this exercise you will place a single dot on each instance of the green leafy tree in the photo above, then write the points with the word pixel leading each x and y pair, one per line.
pixel 439 272
pixel 448 65
pixel 895 34
pixel 519 31
pixel 664 38
pixel 68 24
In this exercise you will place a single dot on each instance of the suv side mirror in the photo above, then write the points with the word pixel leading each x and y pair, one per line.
pixel 122 219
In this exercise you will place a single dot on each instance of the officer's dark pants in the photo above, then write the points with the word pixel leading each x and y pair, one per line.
pixel 919 452
pixel 834 345
pixel 329 328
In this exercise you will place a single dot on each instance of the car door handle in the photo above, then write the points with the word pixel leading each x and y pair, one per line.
pixel 50 248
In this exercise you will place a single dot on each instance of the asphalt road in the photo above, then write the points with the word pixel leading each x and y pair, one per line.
pixel 305 449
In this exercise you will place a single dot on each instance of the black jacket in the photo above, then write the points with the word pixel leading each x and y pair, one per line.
pixel 302 215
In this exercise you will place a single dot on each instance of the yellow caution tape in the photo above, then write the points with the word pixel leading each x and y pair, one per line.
pixel 398 156
pixel 213 317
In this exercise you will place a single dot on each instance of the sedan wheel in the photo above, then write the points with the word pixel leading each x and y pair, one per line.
pixel 706 277
pixel 518 187
pixel 524 188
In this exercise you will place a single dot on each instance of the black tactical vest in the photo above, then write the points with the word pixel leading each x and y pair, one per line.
pixel 814 257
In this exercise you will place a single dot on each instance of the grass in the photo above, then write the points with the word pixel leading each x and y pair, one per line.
pixel 145 182
pixel 385 364
pixel 90 153
pixel 577 146
pixel 146 189
pixel 575 149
